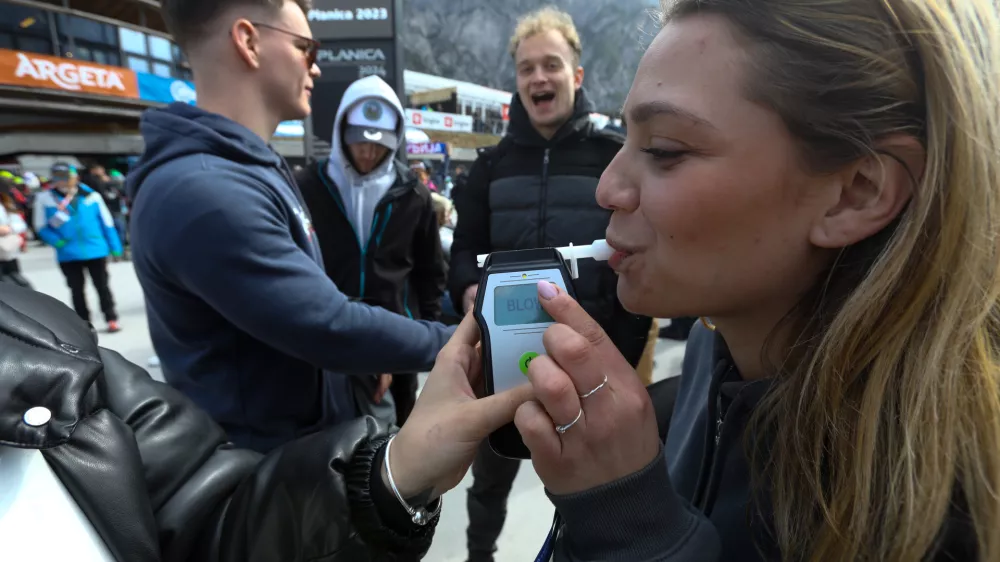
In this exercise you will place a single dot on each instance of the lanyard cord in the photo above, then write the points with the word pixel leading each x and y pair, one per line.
pixel 545 554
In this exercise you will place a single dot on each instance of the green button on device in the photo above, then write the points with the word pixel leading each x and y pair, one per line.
pixel 526 360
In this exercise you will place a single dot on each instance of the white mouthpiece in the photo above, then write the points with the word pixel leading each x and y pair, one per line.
pixel 599 251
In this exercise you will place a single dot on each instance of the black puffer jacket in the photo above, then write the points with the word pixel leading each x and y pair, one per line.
pixel 157 478
pixel 531 192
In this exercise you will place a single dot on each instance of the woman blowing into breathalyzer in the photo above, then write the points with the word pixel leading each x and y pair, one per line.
pixel 821 182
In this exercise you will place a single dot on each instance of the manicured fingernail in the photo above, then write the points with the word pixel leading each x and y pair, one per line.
pixel 547 290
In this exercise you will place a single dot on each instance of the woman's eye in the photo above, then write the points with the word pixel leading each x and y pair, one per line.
pixel 660 155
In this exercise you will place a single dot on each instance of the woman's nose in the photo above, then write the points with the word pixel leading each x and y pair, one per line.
pixel 615 191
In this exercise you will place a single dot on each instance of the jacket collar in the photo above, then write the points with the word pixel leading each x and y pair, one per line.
pixel 405 180
pixel 726 376
pixel 524 133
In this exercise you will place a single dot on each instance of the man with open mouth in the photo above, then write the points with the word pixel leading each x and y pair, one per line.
pixel 537 189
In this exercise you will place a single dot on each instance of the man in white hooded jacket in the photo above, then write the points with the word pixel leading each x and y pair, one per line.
pixel 376 223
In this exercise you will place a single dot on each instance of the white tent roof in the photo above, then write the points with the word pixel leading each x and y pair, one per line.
pixel 467 91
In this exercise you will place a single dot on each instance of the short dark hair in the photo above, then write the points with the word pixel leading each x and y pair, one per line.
pixel 188 20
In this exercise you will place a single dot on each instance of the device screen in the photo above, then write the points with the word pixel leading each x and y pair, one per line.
pixel 518 304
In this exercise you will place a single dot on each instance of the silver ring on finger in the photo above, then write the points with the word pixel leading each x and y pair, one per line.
pixel 594 391
pixel 560 429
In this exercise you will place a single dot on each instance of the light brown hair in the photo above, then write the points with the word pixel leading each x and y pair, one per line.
pixel 188 21
pixel 547 19
pixel 886 414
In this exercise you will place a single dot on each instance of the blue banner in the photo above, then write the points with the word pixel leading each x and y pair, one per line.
pixel 290 129
pixel 419 148
pixel 165 90
pixel 170 90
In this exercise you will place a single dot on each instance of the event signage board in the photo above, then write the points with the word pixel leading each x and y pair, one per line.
pixel 425 148
pixel 437 121
pixel 31 70
pixel 358 38
pixel 352 19
pixel 165 90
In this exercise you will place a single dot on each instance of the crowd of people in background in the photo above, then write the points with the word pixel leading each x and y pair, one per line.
pixel 81 215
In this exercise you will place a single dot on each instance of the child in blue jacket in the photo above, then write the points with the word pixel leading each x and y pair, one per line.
pixel 73 219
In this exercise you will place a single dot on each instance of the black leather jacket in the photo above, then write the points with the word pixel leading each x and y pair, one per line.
pixel 156 476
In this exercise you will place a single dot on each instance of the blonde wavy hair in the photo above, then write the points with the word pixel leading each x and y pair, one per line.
pixel 547 19
pixel 885 418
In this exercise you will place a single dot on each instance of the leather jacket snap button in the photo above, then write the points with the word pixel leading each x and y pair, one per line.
pixel 37 416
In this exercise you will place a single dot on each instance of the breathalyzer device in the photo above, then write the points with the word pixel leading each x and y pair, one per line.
pixel 512 321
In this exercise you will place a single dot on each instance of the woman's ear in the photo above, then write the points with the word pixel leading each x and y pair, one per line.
pixel 873 192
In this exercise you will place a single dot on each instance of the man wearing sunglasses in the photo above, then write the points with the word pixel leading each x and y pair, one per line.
pixel 242 315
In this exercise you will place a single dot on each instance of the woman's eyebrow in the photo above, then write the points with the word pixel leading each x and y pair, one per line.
pixel 643 112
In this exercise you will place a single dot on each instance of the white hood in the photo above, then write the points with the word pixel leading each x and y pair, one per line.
pixel 361 194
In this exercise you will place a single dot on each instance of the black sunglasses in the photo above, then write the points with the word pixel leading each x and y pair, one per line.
pixel 311 51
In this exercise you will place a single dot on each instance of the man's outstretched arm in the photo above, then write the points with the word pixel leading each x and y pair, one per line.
pixel 239 256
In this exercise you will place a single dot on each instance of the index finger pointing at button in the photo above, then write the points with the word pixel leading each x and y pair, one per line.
pixel 564 310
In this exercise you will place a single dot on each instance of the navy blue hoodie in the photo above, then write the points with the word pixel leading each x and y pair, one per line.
pixel 242 315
